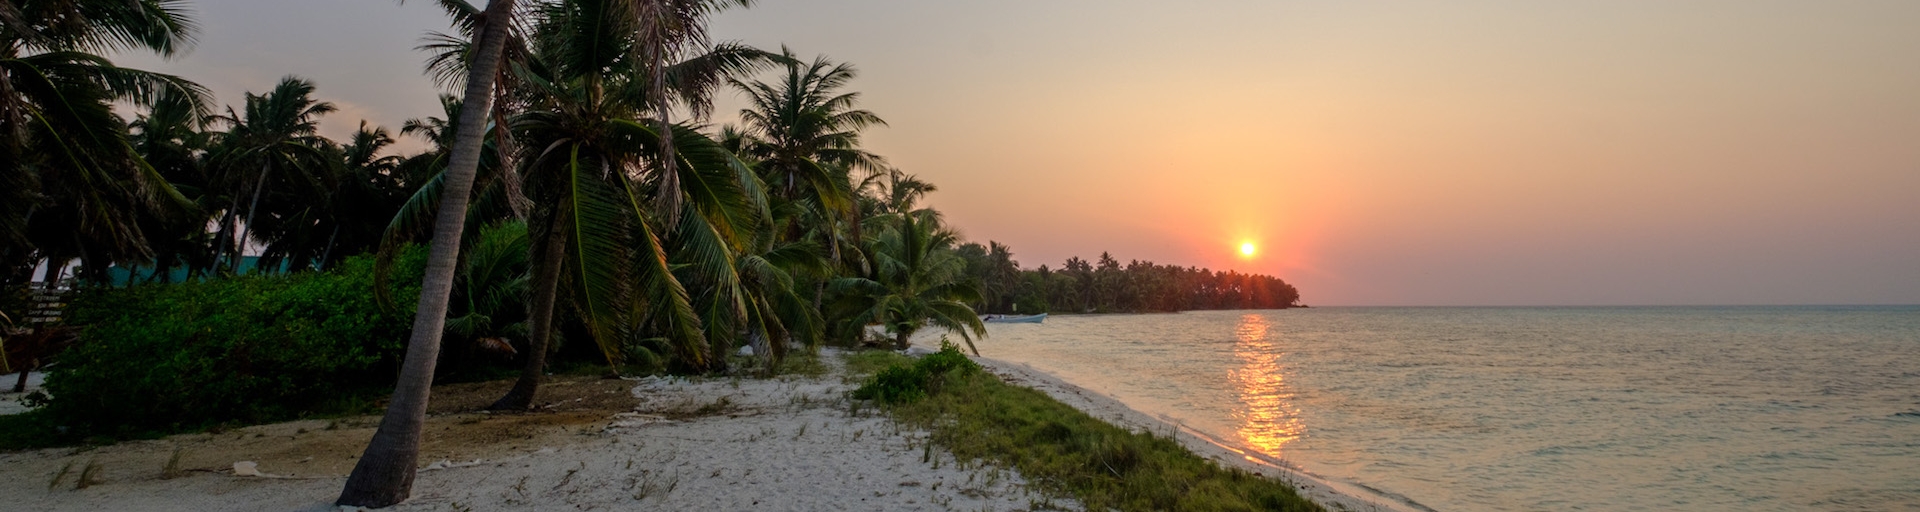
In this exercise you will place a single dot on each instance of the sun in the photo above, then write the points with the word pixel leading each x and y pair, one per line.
pixel 1247 249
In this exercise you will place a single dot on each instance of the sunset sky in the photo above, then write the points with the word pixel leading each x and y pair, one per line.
pixel 1376 153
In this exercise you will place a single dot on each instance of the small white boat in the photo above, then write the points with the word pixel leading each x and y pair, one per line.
pixel 1015 319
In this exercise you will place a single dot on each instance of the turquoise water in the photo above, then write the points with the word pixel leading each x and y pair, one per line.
pixel 1657 408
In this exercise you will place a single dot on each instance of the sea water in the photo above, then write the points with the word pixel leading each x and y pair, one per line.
pixel 1458 409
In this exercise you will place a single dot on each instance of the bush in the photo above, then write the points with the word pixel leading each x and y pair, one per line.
pixel 903 384
pixel 159 358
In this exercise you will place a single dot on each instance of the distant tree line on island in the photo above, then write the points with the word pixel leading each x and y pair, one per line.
pixel 1107 286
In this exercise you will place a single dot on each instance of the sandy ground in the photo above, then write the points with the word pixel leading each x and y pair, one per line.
pixel 1328 493
pixel 790 443
pixel 10 401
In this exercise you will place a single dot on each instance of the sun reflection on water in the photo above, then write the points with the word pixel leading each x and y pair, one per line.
pixel 1268 418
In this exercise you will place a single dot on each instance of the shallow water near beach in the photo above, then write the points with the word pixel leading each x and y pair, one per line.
pixel 1653 408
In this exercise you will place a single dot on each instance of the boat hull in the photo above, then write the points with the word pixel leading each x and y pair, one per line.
pixel 1011 319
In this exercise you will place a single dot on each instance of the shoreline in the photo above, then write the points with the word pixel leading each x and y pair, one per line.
pixel 1330 493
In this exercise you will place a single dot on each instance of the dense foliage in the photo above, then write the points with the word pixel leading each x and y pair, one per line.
pixel 248 349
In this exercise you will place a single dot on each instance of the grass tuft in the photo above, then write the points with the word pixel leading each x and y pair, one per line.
pixel 89 476
pixel 61 475
pixel 172 469
pixel 804 363
pixel 868 362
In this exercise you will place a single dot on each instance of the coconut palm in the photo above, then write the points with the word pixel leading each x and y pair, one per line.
pixel 804 135
pixel 172 137
pixel 350 217
pixel 596 173
pixel 916 281
pixel 70 184
pixel 274 145
pixel 489 301
pixel 893 191
pixel 384 474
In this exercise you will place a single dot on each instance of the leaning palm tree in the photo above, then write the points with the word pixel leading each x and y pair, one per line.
pixel 70 184
pixel 384 474
pixel 916 281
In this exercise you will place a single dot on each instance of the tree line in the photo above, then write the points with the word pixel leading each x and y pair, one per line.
pixel 1107 286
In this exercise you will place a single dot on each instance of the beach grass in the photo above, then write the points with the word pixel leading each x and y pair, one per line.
pixel 978 417
pixel 868 362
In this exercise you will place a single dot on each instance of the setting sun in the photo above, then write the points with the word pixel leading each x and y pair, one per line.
pixel 1246 249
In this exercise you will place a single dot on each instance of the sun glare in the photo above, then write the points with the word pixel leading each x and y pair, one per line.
pixel 1246 249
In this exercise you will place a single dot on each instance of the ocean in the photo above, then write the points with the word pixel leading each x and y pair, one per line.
pixel 1467 409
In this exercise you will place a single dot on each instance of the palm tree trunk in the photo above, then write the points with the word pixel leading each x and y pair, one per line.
pixel 324 255
pixel 546 288
pixel 902 339
pixel 220 241
pixel 669 163
pixel 252 206
pixel 384 474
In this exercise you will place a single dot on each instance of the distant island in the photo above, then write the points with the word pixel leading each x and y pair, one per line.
pixel 1106 286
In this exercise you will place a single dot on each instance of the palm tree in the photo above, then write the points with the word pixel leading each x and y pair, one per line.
pixel 384 474
pixel 352 215
pixel 276 131
pixel 594 170
pixel 917 280
pixel 663 31
pixel 489 301
pixel 805 136
pixel 172 137
pixel 70 183
pixel 893 191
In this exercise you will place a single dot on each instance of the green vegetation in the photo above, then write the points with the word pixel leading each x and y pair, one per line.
pixel 164 358
pixel 977 417
pixel 868 362
pixel 1106 286
pixel 909 383
pixel 915 281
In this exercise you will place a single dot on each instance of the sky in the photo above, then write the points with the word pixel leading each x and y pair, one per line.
pixel 1616 152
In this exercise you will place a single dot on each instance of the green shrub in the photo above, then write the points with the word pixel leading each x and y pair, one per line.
pixel 903 384
pixel 895 385
pixel 160 358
